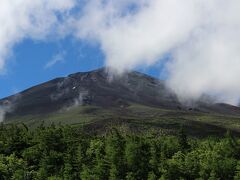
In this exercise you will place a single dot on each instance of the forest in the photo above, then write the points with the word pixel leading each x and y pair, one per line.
pixel 69 153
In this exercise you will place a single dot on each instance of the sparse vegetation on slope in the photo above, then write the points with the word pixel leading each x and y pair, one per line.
pixel 136 100
pixel 137 118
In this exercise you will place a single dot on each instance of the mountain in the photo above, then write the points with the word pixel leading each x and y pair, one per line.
pixel 98 99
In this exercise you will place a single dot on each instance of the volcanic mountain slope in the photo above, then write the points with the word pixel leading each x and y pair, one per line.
pixel 98 99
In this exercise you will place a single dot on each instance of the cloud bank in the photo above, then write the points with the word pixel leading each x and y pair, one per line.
pixel 202 36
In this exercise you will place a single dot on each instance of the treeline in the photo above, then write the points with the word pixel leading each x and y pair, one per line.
pixel 68 153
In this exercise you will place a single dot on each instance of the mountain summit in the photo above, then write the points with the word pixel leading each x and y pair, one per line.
pixel 99 97
pixel 98 88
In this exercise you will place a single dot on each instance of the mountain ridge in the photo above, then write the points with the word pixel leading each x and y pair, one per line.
pixel 92 81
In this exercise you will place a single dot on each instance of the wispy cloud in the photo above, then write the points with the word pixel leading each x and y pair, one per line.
pixel 8 106
pixel 58 58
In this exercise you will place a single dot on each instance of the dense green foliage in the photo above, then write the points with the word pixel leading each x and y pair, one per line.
pixel 68 153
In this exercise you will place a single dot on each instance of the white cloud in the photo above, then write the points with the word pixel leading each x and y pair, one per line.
pixel 139 38
pixel 57 58
pixel 34 19
pixel 203 37
pixel 209 62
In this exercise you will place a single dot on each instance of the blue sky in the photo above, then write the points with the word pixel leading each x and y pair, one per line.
pixel 26 66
